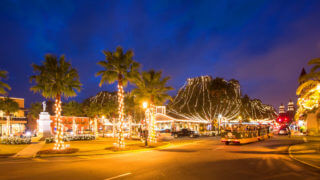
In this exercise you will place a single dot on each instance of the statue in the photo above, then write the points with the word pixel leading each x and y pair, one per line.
pixel 44 105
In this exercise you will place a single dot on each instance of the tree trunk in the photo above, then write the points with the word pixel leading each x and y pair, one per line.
pixel 59 144
pixel 121 143
pixel 130 125
pixel 152 122
pixel 8 126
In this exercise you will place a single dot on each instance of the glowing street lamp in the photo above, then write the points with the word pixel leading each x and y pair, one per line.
pixel 145 105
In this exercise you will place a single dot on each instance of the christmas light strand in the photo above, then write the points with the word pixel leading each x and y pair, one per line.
pixel 121 143
pixel 59 144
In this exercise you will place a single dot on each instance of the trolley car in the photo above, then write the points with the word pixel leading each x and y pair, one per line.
pixel 245 133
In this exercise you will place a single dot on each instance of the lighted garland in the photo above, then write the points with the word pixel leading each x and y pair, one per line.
pixel 59 144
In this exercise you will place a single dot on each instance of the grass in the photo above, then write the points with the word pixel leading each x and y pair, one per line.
pixel 11 149
pixel 96 147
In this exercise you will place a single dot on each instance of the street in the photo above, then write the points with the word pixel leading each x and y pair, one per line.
pixel 206 158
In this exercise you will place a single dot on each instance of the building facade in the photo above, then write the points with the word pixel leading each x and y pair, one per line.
pixel 18 120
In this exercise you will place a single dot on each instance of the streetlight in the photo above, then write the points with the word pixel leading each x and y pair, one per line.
pixel 219 119
pixel 145 106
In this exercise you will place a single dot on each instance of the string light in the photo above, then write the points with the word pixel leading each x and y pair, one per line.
pixel 121 143
pixel 152 124
pixel 59 144
pixel 195 101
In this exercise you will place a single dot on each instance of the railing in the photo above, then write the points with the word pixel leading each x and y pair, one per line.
pixel 14 118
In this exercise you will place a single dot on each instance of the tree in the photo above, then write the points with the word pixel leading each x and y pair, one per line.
pixel 33 115
pixel 4 86
pixel 56 78
pixel 309 89
pixel 73 109
pixel 119 66
pixel 8 106
pixel 151 87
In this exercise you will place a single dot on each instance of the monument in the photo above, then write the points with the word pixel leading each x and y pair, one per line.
pixel 44 128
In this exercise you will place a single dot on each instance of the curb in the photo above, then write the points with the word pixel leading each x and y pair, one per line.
pixel 301 161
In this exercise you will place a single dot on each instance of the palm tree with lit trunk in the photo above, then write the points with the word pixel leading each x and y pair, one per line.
pixel 152 88
pixel 56 78
pixel 8 106
pixel 4 86
pixel 119 66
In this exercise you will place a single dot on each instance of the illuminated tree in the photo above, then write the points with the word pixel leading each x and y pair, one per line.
pixel 205 99
pixel 4 86
pixel 103 104
pixel 73 109
pixel 309 89
pixel 152 87
pixel 8 106
pixel 56 78
pixel 119 66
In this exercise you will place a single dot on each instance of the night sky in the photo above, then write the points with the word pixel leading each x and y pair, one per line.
pixel 263 44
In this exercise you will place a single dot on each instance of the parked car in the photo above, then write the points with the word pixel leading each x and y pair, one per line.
pixel 283 131
pixel 164 135
pixel 185 132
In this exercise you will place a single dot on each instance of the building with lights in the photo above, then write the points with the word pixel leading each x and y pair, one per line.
pixel 18 120
pixel 176 122
pixel 286 117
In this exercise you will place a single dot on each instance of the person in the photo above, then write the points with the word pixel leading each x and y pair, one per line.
pixel 289 132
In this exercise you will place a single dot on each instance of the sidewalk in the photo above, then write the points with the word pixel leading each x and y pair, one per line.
pixel 30 151
pixel 307 153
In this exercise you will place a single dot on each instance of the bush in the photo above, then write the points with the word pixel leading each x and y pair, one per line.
pixel 82 137
pixel 64 151
pixel 15 140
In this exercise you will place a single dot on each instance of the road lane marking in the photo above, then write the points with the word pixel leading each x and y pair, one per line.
pixel 119 176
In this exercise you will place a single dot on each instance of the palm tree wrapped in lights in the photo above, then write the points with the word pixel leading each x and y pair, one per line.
pixel 119 66
pixel 151 88
pixel 309 89
pixel 56 78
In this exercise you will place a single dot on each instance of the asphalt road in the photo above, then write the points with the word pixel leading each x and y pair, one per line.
pixel 205 159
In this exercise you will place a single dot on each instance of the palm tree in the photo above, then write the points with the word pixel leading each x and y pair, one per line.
pixel 3 86
pixel 8 106
pixel 119 66
pixel 151 87
pixel 56 78
pixel 309 89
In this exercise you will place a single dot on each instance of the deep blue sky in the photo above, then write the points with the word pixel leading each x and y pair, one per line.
pixel 263 44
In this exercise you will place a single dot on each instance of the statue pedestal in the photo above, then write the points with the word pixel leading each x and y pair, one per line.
pixel 44 128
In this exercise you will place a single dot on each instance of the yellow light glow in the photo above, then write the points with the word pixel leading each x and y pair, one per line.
pixel 145 105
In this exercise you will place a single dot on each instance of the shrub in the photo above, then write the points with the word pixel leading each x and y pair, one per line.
pixel 82 137
pixel 16 140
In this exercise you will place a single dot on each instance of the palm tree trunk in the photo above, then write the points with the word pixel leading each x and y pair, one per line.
pixel 121 115
pixel 152 123
pixel 59 145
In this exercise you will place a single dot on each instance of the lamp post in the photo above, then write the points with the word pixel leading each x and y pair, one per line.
pixel 219 122
pixel 145 131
